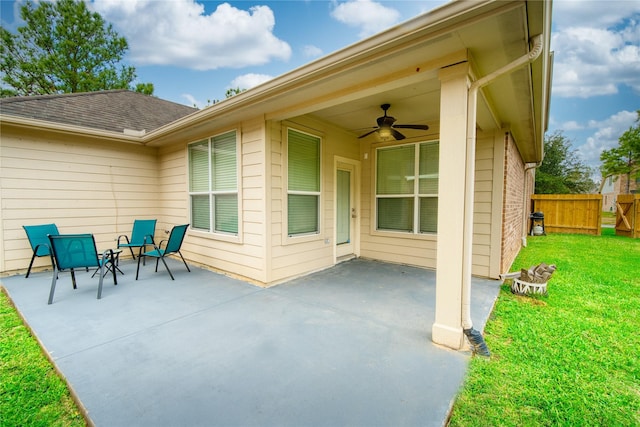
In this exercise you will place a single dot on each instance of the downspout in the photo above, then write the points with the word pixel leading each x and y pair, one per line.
pixel 525 219
pixel 475 337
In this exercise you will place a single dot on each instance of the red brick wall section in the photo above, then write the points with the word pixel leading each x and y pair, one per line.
pixel 518 181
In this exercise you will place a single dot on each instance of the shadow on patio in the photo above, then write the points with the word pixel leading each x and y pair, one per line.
pixel 350 345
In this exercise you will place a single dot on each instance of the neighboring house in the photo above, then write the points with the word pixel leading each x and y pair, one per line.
pixel 276 182
pixel 613 186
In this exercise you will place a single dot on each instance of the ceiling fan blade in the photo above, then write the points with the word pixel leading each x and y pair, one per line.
pixel 397 135
pixel 423 127
pixel 368 133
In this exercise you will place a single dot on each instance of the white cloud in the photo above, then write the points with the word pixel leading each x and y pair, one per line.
pixel 598 13
pixel 597 47
pixel 179 33
pixel 191 100
pixel 371 17
pixel 606 135
pixel 311 51
pixel 571 125
pixel 247 81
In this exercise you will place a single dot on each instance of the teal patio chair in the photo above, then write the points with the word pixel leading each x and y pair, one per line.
pixel 72 251
pixel 141 236
pixel 173 245
pixel 37 235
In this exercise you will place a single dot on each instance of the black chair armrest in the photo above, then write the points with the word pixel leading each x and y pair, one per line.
pixel 125 237
pixel 42 244
pixel 161 242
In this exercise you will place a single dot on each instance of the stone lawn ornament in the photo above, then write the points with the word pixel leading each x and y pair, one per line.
pixel 531 281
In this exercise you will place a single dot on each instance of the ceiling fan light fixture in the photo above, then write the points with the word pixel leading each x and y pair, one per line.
pixel 385 132
pixel 387 129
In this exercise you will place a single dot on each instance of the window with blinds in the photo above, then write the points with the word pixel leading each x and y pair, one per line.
pixel 404 203
pixel 213 184
pixel 303 183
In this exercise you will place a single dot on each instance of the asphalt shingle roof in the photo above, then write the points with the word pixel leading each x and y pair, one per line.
pixel 112 110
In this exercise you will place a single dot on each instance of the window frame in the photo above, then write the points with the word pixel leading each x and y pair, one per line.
pixel 415 195
pixel 211 232
pixel 305 236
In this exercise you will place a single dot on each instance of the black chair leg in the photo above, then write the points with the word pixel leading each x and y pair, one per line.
pixel 73 279
pixel 140 254
pixel 138 269
pixel 30 265
pixel 166 266
pixel 185 262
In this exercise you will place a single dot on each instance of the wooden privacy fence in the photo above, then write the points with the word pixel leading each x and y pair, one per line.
pixel 628 215
pixel 570 213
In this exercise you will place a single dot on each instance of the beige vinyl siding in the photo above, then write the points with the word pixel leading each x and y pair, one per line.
pixel 420 250
pixel 482 207
pixel 294 256
pixel 82 185
pixel 243 254
pixel 389 246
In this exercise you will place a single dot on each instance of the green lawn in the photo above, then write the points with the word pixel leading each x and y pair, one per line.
pixel 31 393
pixel 571 358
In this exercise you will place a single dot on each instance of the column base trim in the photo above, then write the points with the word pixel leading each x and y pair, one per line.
pixel 448 336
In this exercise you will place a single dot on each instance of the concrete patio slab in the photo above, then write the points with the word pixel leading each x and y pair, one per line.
pixel 350 345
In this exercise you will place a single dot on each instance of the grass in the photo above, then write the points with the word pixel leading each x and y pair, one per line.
pixel 31 392
pixel 570 358
pixel 608 218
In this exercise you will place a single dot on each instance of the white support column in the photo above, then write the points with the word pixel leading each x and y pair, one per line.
pixel 447 328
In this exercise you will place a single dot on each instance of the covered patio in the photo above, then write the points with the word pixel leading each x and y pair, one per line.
pixel 349 345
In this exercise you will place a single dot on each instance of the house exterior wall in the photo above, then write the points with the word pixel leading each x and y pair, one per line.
pixel 488 197
pixel 101 187
pixel 608 195
pixel 262 252
pixel 615 185
pixel 402 248
pixel 83 186
pixel 293 256
pixel 420 250
pixel 244 254
pixel 518 187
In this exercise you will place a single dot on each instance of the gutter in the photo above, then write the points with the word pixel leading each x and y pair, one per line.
pixel 127 135
pixel 475 338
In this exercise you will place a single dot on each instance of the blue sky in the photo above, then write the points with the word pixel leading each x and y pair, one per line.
pixel 193 51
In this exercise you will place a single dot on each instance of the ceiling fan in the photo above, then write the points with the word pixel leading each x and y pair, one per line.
pixel 387 129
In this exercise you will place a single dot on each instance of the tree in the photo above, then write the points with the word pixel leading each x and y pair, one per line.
pixel 62 48
pixel 625 158
pixel 228 94
pixel 561 171
pixel 233 92
pixel 146 88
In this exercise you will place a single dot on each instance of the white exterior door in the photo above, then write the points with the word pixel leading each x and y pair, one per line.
pixel 346 209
